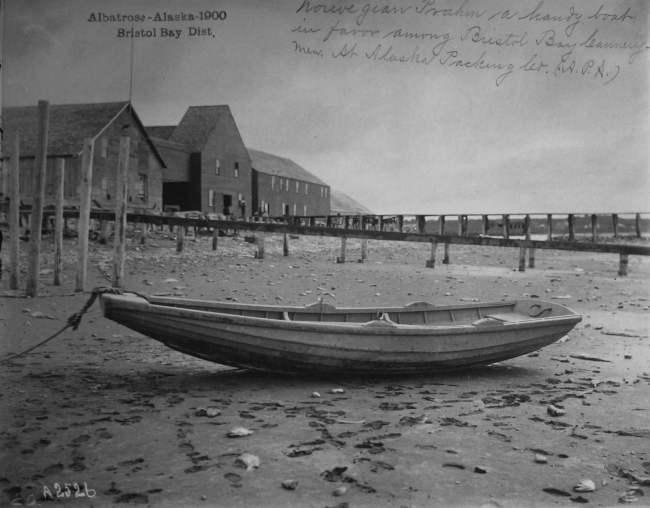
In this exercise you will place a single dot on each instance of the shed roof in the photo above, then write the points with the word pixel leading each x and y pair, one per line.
pixel 69 125
pixel 197 124
pixel 160 131
pixel 279 166
pixel 345 205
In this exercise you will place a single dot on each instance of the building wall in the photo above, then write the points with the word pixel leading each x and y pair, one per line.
pixel 225 144
pixel 273 190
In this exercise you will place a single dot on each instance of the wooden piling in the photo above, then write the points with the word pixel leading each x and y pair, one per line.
pixel 506 227
pixel 260 246
pixel 594 228
pixel 638 225
pixel 445 259
pixel 531 252
pixel 58 221
pixel 549 227
pixel 431 262
pixel 180 238
pixel 622 265
pixel 38 196
pixel 215 235
pixel 103 231
pixel 615 223
pixel 83 223
pixel 121 201
pixel 14 215
pixel 341 258
pixel 422 222
pixel 400 223
pixel 143 233
pixel 572 227
pixel 441 225
pixel 522 259
pixel 460 225
pixel 364 250
pixel 381 223
pixel 486 225
pixel 285 246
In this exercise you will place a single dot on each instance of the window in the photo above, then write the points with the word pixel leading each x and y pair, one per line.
pixel 272 183
pixel 295 209
pixel 321 192
pixel 306 188
pixel 236 169
pixel 325 191
pixel 297 186
pixel 211 197
pixel 305 211
pixel 287 187
pixel 217 167
pixel 281 184
pixel 104 148
pixel 142 188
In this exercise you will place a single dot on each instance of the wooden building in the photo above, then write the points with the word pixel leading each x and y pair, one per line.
pixel 208 168
pixel 69 125
pixel 282 187
pixel 342 204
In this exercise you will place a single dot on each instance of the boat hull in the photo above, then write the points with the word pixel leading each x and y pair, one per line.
pixel 328 347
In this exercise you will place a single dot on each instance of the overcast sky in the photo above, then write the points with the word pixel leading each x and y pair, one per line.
pixel 413 106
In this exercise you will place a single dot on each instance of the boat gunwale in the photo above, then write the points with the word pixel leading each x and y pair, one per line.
pixel 367 328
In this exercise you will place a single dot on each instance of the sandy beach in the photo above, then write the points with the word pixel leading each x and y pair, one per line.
pixel 120 419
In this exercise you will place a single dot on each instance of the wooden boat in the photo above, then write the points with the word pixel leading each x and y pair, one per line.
pixel 320 338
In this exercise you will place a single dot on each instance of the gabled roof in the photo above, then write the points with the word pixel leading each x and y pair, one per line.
pixel 279 166
pixel 160 131
pixel 345 205
pixel 197 124
pixel 69 125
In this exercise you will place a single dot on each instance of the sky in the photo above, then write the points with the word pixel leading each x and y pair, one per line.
pixel 409 106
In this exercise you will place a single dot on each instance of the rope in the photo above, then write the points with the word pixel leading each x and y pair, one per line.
pixel 75 319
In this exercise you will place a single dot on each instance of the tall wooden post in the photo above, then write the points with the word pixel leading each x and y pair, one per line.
pixel 143 231
pixel 445 259
pixel 180 238
pixel 486 225
pixel 506 227
pixel 441 225
pixel 121 200
pixel 341 258
pixel 522 250
pixel 364 250
pixel 381 223
pixel 638 225
pixel 285 246
pixel 594 228
pixel 346 222
pixel 14 215
pixel 615 223
pixel 84 213
pixel 58 221
pixel 622 266
pixel 431 262
pixel 215 236
pixel 38 196
pixel 400 223
pixel 572 227
pixel 460 225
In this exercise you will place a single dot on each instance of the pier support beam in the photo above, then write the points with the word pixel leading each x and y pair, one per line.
pixel 121 202
pixel 441 225
pixel 445 259
pixel 572 227
pixel 549 226
pixel 341 258
pixel 215 236
pixel 622 265
pixel 180 238
pixel 285 246
pixel 260 246
pixel 594 228
pixel 431 262
pixel 14 215
pixel 364 251
pixel 83 224
pixel 615 223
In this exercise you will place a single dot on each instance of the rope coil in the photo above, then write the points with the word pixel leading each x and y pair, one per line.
pixel 75 319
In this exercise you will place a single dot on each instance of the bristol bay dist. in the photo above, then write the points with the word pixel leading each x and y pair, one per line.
pixel 192 31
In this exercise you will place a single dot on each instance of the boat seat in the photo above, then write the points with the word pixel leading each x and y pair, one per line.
pixel 510 317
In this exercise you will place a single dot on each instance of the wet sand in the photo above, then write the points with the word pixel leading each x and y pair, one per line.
pixel 124 417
